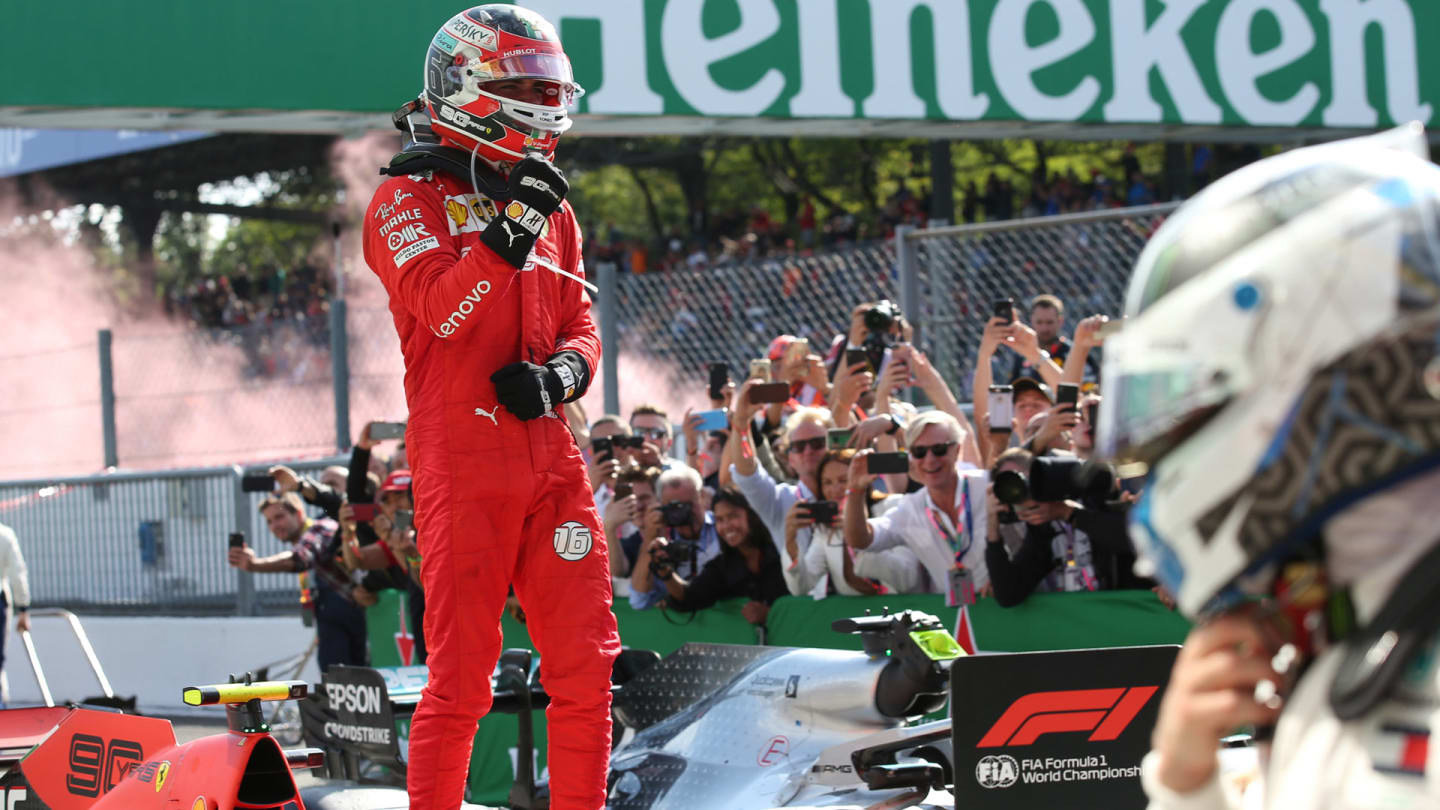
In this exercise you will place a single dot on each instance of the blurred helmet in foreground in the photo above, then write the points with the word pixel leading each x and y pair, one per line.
pixel 1278 361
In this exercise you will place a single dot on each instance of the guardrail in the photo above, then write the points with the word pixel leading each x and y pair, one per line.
pixel 151 542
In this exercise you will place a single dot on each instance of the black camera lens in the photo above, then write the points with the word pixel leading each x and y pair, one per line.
pixel 1011 487
pixel 1055 478
pixel 881 317
pixel 676 513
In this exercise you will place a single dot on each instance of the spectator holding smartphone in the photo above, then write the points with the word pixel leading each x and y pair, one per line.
pixel 746 565
pixel 610 452
pixel 679 535
pixel 339 619
pixel 803 440
pixel 943 523
pixel 635 498
pixel 827 564
pixel 1047 320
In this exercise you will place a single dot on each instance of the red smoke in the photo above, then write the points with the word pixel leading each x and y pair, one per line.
pixel 187 397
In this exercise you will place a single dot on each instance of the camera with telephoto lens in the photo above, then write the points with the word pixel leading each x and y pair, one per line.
pixel 677 513
pixel 1055 478
pixel 672 554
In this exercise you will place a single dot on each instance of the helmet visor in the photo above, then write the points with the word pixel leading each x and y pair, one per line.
pixel 549 67
pixel 1146 414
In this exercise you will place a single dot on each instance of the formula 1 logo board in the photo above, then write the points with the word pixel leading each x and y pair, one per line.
pixel 1056 729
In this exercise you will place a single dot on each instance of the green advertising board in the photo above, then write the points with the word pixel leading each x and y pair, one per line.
pixel 805 66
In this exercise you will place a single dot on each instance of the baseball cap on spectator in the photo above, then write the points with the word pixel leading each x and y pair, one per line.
pixel 1023 384
pixel 779 345
pixel 398 481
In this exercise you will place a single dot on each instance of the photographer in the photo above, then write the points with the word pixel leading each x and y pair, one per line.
pixel 747 564
pixel 940 522
pixel 679 535
pixel 339 620
pixel 827 564
pixel 1066 546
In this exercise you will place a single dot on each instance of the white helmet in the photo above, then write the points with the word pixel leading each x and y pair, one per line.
pixel 1278 361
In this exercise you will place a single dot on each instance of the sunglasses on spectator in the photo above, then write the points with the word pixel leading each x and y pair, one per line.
pixel 632 442
pixel 921 450
pixel 799 445
pixel 648 433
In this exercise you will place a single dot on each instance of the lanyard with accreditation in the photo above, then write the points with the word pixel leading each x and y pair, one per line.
pixel 961 587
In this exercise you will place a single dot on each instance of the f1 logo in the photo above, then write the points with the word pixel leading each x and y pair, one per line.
pixel 1106 712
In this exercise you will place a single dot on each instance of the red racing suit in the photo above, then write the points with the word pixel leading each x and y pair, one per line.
pixel 498 501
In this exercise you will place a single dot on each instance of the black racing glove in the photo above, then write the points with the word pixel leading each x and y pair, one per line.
pixel 536 191
pixel 530 391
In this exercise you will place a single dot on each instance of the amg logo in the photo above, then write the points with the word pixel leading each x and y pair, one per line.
pixel 832 769
pixel 1106 712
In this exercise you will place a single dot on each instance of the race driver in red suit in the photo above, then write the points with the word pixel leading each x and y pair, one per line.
pixel 482 261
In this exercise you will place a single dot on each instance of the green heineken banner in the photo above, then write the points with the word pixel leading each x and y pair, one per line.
pixel 1306 64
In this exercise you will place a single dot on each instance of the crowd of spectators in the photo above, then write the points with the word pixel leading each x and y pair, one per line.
pixel 361 542
pixel 277 317
pixel 785 500
pixel 822 481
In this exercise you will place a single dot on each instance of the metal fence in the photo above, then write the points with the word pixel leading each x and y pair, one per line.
pixel 153 542
pixel 944 279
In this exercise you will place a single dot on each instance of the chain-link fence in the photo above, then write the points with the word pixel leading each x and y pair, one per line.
pixel 1083 259
pixel 146 542
pixel 669 326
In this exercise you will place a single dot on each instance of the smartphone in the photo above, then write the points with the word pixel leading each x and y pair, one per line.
pixel 602 449
pixel 884 365
pixel 1067 394
pixel 404 519
pixel 257 482
pixel 1092 414
pixel 623 491
pixel 887 463
pixel 237 540
pixel 719 376
pixel 838 438
pixel 760 369
pixel 1002 408
pixel 770 392
pixel 364 512
pixel 387 430
pixel 854 357
pixel 1004 308
pixel 823 512
pixel 714 420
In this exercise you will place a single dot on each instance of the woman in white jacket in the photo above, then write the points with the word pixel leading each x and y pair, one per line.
pixel 814 554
